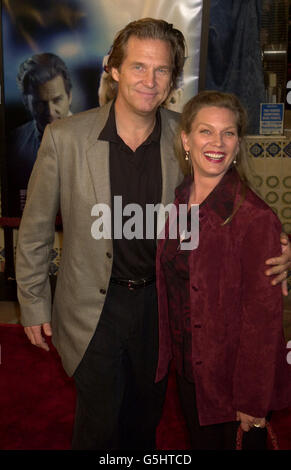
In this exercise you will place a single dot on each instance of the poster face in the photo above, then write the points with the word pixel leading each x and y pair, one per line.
pixel 81 33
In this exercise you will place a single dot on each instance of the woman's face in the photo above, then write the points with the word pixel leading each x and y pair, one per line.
pixel 213 141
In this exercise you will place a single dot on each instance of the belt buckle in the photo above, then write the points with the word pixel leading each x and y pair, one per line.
pixel 130 285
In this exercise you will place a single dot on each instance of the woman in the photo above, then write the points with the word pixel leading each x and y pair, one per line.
pixel 220 320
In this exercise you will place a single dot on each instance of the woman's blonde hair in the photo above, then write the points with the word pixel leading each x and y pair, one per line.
pixel 220 100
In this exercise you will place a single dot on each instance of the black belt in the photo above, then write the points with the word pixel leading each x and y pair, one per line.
pixel 133 283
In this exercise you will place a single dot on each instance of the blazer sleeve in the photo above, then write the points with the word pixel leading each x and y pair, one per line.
pixel 36 236
pixel 262 319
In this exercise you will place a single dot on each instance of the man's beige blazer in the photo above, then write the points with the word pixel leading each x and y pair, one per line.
pixel 72 173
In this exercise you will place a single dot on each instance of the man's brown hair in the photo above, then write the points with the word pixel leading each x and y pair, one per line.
pixel 149 28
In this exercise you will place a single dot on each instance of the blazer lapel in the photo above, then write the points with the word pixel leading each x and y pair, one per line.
pixel 171 174
pixel 98 157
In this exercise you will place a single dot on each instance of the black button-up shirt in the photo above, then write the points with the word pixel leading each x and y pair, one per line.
pixel 137 178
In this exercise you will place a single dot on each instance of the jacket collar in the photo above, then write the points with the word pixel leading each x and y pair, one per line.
pixel 101 116
pixel 221 200
pixel 97 154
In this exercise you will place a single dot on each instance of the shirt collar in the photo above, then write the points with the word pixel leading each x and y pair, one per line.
pixel 221 200
pixel 109 132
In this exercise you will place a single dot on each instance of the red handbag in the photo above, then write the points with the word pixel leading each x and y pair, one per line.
pixel 271 434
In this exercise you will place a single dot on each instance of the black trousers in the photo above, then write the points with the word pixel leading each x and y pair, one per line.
pixel 220 436
pixel 118 404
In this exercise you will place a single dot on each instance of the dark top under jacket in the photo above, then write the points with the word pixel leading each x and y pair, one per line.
pixel 137 177
pixel 175 264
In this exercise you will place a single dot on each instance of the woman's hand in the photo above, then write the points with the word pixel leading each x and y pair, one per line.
pixel 248 421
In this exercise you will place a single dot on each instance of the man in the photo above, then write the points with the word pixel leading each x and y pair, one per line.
pixel 104 320
pixel 46 90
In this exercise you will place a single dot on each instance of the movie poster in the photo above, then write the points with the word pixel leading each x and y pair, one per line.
pixel 80 32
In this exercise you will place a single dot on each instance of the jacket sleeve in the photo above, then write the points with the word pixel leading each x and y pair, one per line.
pixel 36 236
pixel 261 322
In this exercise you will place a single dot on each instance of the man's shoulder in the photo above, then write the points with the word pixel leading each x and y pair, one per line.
pixel 168 114
pixel 82 121
pixel 255 208
pixel 170 120
pixel 82 116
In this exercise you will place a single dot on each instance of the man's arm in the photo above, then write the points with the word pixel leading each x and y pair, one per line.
pixel 281 264
pixel 35 241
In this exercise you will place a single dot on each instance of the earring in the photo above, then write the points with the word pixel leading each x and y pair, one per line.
pixel 187 154
pixel 234 161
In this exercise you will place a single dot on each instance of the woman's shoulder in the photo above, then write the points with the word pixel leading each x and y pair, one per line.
pixel 256 201
pixel 256 208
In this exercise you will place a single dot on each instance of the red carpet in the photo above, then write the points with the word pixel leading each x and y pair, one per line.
pixel 37 401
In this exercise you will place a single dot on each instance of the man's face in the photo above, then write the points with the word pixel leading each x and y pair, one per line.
pixel 49 102
pixel 144 77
